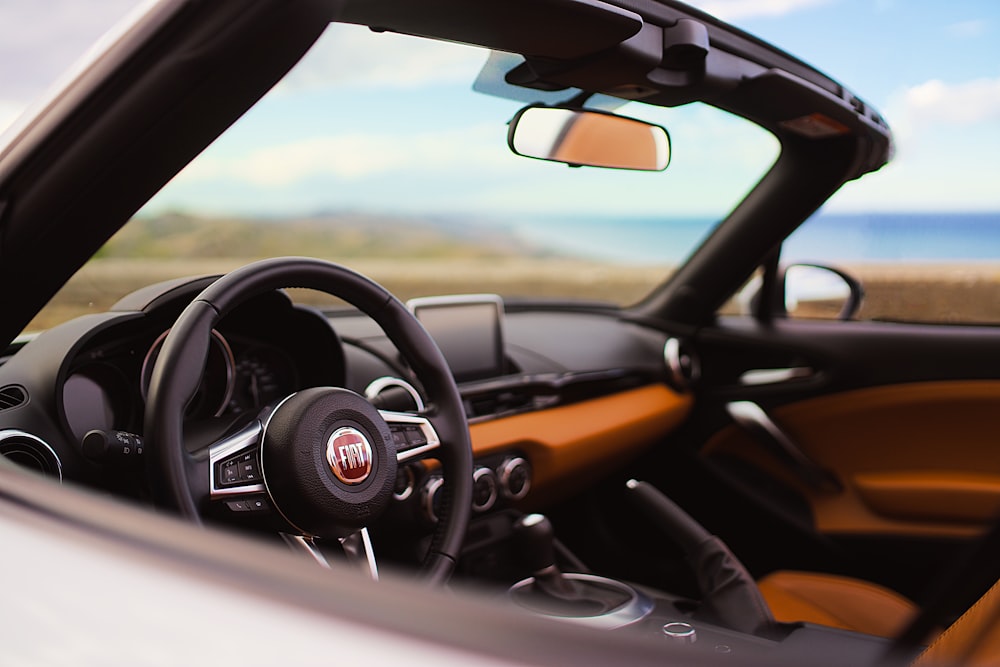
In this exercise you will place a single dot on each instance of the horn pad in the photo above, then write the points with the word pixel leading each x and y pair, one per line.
pixel 328 461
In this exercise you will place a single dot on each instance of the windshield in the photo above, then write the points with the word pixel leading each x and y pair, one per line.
pixel 375 152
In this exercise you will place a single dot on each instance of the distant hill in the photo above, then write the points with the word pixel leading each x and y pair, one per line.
pixel 335 235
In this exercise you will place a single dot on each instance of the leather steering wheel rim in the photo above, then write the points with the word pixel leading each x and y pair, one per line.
pixel 182 358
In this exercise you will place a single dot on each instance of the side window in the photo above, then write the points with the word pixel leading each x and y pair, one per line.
pixel 912 267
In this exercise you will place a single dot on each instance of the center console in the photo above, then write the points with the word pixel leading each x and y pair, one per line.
pixel 612 605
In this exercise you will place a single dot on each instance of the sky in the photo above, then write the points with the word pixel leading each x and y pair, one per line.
pixel 932 68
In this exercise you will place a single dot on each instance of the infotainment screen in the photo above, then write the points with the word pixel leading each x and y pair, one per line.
pixel 469 330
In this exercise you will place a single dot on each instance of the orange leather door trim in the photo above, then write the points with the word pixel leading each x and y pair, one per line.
pixel 945 496
pixel 571 445
pixel 917 459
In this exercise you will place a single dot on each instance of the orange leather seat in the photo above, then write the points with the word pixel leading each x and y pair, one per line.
pixel 851 604
pixel 835 601
pixel 971 641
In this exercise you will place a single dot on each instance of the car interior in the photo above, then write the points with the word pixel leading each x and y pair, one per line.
pixel 722 485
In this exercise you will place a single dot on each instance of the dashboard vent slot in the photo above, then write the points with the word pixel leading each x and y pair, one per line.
pixel 12 396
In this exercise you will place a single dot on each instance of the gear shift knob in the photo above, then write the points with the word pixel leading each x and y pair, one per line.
pixel 534 537
pixel 550 591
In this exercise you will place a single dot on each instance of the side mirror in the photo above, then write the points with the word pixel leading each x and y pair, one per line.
pixel 812 291
pixel 583 137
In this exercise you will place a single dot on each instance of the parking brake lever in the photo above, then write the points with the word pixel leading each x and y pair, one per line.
pixel 729 594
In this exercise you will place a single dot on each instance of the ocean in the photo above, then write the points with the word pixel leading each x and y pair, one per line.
pixel 827 237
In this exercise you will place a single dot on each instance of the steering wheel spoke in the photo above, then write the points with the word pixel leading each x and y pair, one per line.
pixel 413 435
pixel 357 550
pixel 306 546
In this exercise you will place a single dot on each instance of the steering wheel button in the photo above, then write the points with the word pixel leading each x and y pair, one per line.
pixel 399 439
pixel 259 505
pixel 238 505
pixel 415 437
pixel 249 471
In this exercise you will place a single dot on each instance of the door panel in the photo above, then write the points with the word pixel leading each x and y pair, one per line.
pixel 911 459
pixel 893 432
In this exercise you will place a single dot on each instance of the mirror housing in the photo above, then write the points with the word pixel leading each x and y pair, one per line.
pixel 815 291
pixel 584 137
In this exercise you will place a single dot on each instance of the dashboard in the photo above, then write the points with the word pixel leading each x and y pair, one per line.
pixel 555 397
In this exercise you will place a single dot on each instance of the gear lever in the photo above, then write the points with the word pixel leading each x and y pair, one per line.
pixel 535 538
pixel 551 591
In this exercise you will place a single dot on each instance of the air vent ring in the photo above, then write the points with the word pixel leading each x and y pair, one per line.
pixel 30 452
pixel 12 396
pixel 683 364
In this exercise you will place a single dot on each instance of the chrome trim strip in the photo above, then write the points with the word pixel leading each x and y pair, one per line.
pixel 673 357
pixel 378 385
pixel 307 546
pixel 507 469
pixel 248 437
pixel 430 488
pixel 761 376
pixel 637 607
pixel 416 452
pixel 411 481
pixel 478 474
pixel 227 352
pixel 237 490
pixel 455 300
pixel 358 548
pixel 430 435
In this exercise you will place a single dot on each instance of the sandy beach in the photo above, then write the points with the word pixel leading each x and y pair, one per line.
pixel 926 292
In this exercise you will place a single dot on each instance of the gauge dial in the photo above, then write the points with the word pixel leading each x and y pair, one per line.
pixel 262 376
pixel 95 397
pixel 216 388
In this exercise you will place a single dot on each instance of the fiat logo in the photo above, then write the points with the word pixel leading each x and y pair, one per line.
pixel 349 455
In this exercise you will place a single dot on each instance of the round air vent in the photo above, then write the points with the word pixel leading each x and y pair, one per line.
pixel 389 393
pixel 12 396
pixel 682 363
pixel 31 452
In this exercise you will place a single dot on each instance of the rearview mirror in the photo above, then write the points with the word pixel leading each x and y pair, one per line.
pixel 583 137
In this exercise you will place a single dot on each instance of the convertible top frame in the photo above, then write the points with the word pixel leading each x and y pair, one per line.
pixel 187 70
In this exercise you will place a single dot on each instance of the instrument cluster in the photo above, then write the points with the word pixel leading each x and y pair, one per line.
pixel 258 354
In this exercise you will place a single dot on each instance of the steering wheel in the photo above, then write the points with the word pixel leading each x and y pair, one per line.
pixel 321 463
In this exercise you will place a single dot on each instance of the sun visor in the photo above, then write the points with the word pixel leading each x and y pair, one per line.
pixel 539 28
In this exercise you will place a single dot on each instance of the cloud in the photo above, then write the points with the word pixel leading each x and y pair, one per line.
pixel 945 133
pixel 351 157
pixel 732 10
pixel 968 29
pixel 966 103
